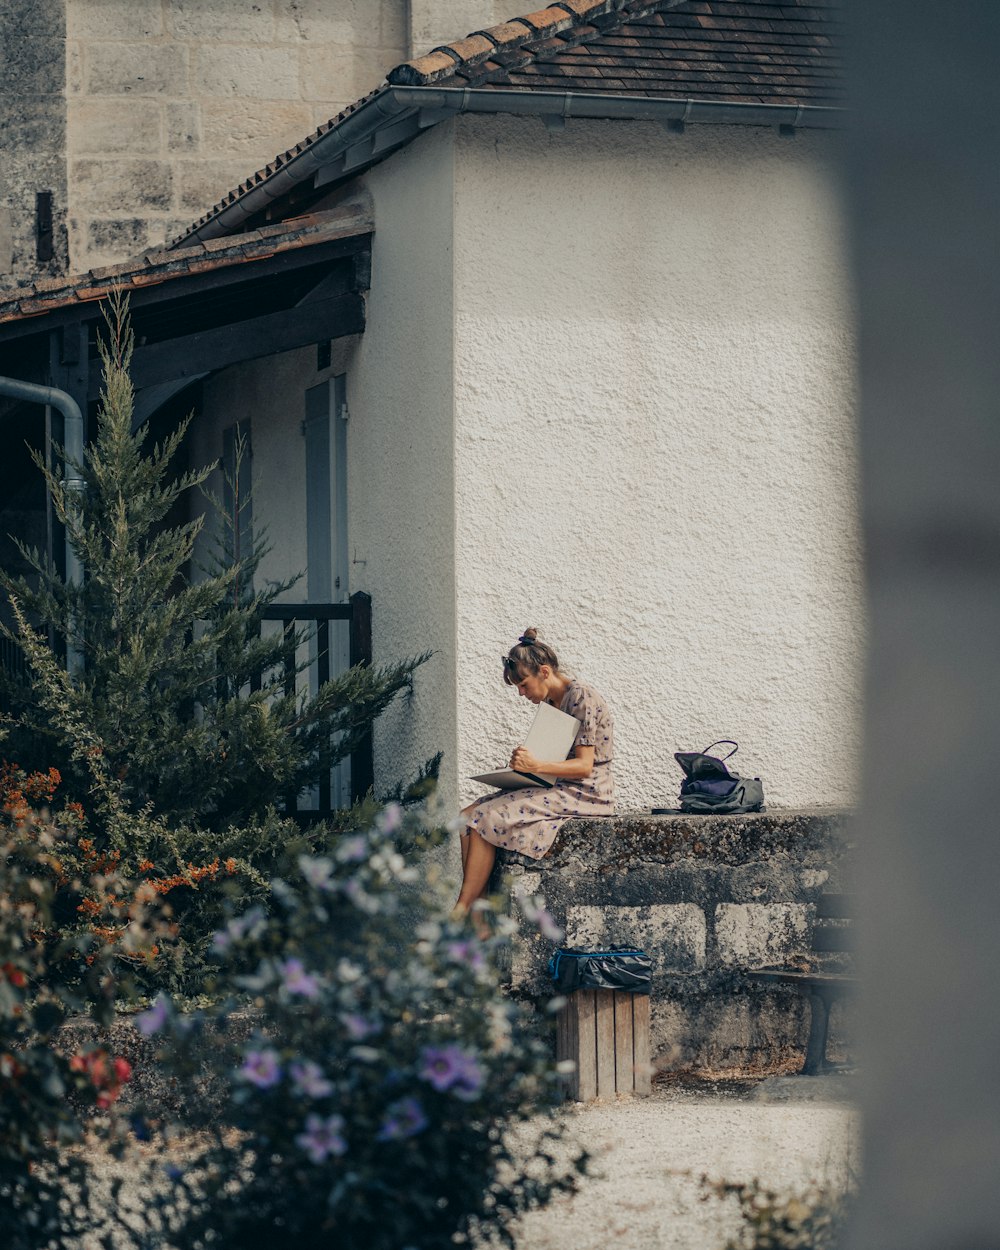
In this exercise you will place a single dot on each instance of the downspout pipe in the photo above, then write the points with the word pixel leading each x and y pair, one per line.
pixel 52 397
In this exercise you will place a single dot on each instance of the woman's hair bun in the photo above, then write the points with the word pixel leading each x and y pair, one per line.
pixel 529 637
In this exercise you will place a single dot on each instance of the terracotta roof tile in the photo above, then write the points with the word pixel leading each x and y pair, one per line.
pixel 160 266
pixel 471 50
pixel 426 69
pixel 586 8
pixel 33 305
pixel 91 293
pixel 549 20
pixel 58 283
pixel 507 34
pixel 113 271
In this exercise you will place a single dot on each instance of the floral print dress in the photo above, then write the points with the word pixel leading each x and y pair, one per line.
pixel 528 820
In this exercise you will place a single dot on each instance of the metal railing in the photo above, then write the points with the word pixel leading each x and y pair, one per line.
pixel 316 618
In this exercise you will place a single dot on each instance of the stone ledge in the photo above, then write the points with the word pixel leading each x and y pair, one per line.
pixel 708 897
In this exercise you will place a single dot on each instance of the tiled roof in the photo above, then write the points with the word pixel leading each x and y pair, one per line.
pixel 165 266
pixel 722 51
pixel 740 51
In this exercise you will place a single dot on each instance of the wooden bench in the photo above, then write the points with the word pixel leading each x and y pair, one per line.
pixel 606 1035
pixel 827 977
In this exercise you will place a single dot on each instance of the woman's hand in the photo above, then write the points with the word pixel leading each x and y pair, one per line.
pixel 523 761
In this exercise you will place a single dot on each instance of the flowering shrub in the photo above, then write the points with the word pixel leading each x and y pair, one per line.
pixel 97 888
pixel 46 1097
pixel 376 1103
pixel 815 1220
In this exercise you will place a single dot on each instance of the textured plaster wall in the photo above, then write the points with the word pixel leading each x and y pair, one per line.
pixel 171 103
pixel 654 449
pixel 32 132
pixel 401 450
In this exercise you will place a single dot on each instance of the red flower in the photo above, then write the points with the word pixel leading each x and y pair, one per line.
pixel 13 974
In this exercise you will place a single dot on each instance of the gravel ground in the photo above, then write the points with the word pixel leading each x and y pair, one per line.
pixel 791 1133
pixel 645 1190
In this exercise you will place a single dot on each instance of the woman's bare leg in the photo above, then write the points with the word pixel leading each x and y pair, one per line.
pixel 480 855
pixel 463 840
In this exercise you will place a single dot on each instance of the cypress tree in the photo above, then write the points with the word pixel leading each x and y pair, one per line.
pixel 162 719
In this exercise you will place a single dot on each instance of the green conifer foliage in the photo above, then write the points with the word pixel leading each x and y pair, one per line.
pixel 161 720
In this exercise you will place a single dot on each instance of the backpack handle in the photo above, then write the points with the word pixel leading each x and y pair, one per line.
pixel 723 742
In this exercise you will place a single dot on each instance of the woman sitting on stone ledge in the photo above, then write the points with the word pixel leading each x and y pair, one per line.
pixel 528 820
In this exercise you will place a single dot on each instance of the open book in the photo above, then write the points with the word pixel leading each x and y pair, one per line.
pixel 550 738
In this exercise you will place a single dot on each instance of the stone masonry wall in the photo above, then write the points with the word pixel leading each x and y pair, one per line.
pixel 171 103
pixel 707 897
pixel 32 132
pixel 139 115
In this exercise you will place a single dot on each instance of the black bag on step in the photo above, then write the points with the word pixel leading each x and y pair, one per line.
pixel 709 786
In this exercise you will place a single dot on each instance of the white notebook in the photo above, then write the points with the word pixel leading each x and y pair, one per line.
pixel 550 737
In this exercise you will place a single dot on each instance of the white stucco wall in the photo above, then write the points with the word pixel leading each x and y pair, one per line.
pixel 401 450
pixel 654 450
pixel 401 509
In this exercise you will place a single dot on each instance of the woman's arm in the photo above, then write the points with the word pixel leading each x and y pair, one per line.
pixel 579 765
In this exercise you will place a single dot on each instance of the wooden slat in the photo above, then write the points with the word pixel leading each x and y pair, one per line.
pixel 586 1044
pixel 835 906
pixel 572 1010
pixel 641 1053
pixel 307 612
pixel 240 341
pixel 833 937
pixel 624 1065
pixel 605 1012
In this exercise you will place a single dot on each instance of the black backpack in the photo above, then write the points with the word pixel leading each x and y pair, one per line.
pixel 709 786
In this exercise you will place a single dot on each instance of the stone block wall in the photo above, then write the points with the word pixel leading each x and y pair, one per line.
pixel 139 115
pixel 32 134
pixel 172 103
pixel 707 897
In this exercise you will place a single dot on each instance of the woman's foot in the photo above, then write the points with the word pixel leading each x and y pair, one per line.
pixel 477 915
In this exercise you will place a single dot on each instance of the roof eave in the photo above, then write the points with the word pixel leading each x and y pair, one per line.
pixel 397 114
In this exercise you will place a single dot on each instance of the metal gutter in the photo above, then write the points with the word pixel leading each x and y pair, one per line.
pixel 355 139
pixel 52 397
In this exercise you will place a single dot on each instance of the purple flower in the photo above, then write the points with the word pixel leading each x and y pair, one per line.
pixel 466 952
pixel 309 1079
pixel 353 850
pixel 390 818
pixel 250 924
pixel 452 1068
pixel 323 1137
pixel 316 870
pixel 404 1118
pixel 536 914
pixel 295 979
pixel 151 1021
pixel 358 1028
pixel 547 927
pixel 261 1068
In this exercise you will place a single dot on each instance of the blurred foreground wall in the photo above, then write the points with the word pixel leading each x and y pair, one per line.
pixel 925 186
